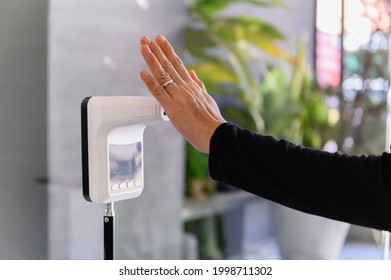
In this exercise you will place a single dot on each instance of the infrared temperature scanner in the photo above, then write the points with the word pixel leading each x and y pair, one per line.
pixel 112 151
pixel 112 145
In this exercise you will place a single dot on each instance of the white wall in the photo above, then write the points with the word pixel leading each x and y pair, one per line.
pixel 23 200
pixel 94 50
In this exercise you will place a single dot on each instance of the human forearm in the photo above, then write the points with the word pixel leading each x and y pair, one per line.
pixel 353 189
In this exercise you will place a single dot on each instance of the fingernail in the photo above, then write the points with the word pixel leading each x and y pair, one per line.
pixel 145 40
pixel 144 74
pixel 161 38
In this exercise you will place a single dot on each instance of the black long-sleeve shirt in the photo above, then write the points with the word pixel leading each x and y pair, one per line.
pixel 349 188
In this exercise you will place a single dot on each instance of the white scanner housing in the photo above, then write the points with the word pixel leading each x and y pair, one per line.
pixel 112 145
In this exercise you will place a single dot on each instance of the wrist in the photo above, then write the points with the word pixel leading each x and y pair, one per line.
pixel 211 131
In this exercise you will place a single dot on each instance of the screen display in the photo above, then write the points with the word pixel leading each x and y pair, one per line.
pixel 125 163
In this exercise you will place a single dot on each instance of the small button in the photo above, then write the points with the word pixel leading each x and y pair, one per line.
pixel 138 183
pixel 114 187
pixel 131 184
pixel 122 186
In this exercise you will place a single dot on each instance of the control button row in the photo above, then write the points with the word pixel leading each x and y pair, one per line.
pixel 131 185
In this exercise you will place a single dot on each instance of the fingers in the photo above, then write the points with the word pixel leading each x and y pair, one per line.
pixel 155 66
pixel 193 75
pixel 162 69
pixel 169 63
pixel 191 109
pixel 155 88
pixel 176 61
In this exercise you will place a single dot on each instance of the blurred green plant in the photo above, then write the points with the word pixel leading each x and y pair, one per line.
pixel 295 108
pixel 197 166
pixel 224 47
pixel 198 182
pixel 271 90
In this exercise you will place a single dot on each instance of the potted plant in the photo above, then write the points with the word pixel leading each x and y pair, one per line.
pixel 300 235
pixel 266 89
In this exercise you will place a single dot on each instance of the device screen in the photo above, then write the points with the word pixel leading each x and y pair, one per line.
pixel 125 164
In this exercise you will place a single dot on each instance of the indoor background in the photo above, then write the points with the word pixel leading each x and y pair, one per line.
pixel 55 53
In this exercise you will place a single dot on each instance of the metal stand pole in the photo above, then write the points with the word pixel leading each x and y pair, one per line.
pixel 109 232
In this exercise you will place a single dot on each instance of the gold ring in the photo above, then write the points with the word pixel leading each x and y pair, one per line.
pixel 167 83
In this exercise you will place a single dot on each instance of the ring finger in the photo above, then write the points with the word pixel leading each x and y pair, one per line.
pixel 160 74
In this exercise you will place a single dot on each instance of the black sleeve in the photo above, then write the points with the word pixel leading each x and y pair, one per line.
pixel 349 188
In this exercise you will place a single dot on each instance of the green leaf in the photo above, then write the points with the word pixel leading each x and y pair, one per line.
pixel 196 163
pixel 209 8
pixel 215 71
pixel 198 43
pixel 239 116
pixel 250 26
pixel 251 30
pixel 274 80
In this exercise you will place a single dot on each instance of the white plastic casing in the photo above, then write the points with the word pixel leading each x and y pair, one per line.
pixel 112 135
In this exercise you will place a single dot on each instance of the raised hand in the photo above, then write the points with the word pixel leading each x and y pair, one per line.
pixel 192 111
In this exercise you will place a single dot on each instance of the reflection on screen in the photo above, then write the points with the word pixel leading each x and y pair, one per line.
pixel 125 163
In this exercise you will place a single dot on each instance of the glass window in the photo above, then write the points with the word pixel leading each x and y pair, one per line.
pixel 352 47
